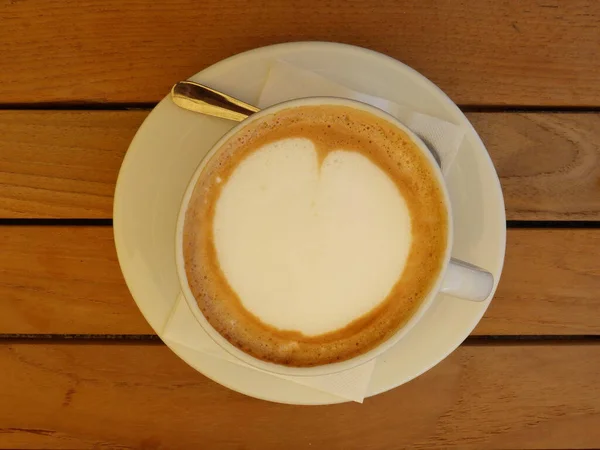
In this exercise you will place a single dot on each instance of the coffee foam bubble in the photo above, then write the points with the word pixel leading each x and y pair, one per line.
pixel 314 234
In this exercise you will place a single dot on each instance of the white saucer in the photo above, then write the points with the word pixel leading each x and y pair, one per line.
pixel 170 144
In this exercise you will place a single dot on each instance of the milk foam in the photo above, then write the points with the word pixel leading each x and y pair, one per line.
pixel 307 245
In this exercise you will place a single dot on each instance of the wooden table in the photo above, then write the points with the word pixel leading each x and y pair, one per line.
pixel 79 366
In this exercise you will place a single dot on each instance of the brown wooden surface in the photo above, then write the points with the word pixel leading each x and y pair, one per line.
pixel 517 52
pixel 66 280
pixel 549 164
pixel 64 164
pixel 143 396
pixel 550 284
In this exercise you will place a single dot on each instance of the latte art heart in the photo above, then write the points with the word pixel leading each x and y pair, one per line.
pixel 314 234
pixel 310 246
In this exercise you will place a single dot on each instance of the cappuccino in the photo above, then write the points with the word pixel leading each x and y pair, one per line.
pixel 313 234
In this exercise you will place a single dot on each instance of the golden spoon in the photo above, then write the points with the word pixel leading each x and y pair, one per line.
pixel 204 100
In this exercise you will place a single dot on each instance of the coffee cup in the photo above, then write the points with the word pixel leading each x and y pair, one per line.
pixel 314 235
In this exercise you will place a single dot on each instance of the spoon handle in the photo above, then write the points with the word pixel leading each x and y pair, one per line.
pixel 202 99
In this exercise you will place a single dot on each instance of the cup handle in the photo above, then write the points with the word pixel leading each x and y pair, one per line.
pixel 467 281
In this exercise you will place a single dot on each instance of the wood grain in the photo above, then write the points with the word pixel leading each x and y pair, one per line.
pixel 64 164
pixel 66 280
pixel 518 52
pixel 549 164
pixel 549 285
pixel 143 397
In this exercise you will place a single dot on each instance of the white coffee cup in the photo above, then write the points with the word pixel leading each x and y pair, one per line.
pixel 457 278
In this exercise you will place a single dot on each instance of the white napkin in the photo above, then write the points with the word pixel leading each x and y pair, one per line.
pixel 287 82
pixel 182 328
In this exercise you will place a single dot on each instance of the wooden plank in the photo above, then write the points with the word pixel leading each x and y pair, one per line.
pixel 111 396
pixel 67 280
pixel 64 280
pixel 549 164
pixel 63 164
pixel 550 284
pixel 480 52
